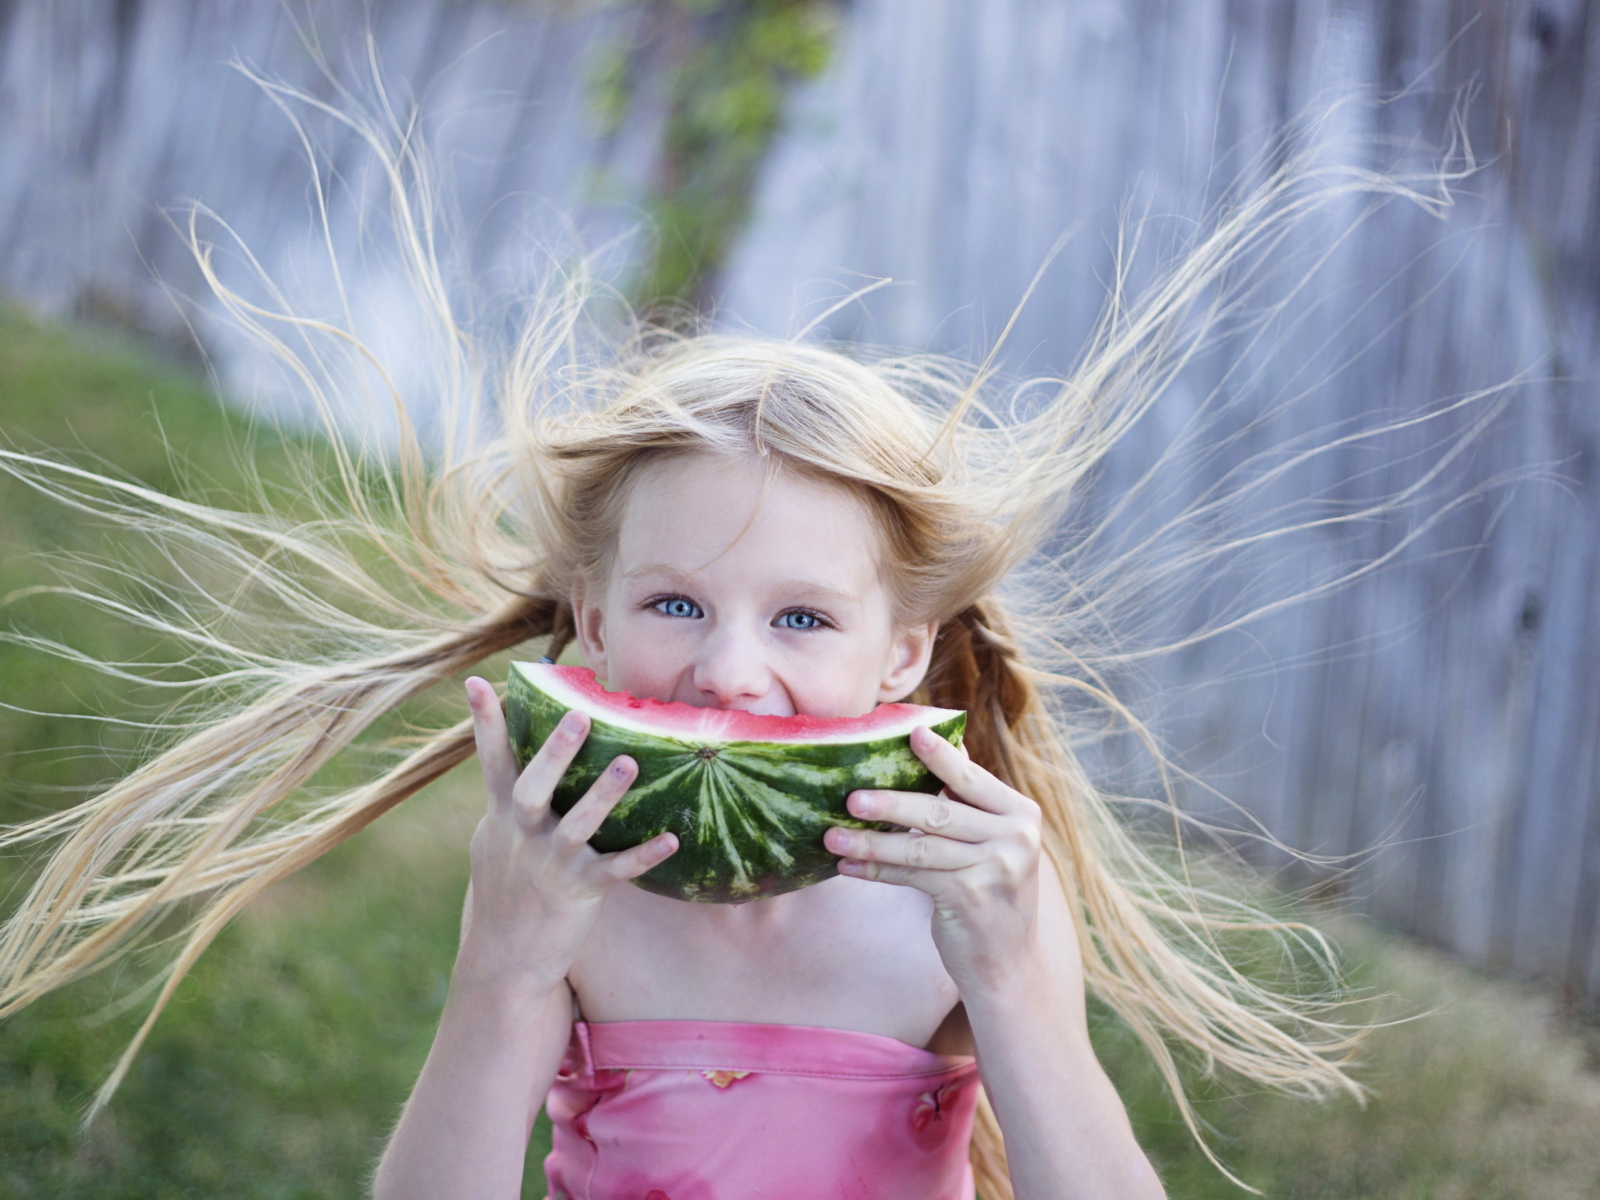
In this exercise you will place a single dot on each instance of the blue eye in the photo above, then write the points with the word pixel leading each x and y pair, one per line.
pixel 677 606
pixel 799 619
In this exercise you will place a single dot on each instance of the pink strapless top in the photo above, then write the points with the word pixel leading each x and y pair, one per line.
pixel 712 1110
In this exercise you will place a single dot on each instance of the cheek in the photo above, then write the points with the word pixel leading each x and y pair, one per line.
pixel 646 655
pixel 843 683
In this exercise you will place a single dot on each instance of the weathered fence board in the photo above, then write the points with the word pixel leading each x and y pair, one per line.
pixel 115 117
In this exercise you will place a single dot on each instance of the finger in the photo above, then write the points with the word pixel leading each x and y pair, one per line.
pixel 531 794
pixel 901 849
pixel 941 815
pixel 587 815
pixel 963 778
pixel 494 744
pixel 924 881
pixel 630 864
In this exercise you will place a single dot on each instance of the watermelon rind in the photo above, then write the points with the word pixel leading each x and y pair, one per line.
pixel 749 815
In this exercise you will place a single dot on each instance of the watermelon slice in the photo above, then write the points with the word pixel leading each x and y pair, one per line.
pixel 748 796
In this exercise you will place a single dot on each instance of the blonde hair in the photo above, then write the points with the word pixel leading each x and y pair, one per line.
pixel 415 567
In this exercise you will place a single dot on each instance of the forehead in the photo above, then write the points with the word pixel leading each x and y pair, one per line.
pixel 716 516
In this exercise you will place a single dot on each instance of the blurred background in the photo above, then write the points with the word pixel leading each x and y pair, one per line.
pixel 1429 728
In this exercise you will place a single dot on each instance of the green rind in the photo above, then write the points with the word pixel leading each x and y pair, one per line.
pixel 749 820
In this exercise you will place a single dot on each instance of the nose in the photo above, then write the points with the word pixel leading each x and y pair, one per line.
pixel 731 672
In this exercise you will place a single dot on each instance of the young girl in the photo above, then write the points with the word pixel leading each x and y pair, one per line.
pixel 761 527
pixel 735 522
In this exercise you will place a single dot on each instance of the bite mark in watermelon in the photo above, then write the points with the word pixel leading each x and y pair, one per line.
pixel 748 796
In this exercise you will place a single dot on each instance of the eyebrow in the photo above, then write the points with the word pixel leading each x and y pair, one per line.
pixel 656 569
pixel 801 587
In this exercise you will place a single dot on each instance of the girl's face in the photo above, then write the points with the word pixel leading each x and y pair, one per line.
pixel 729 592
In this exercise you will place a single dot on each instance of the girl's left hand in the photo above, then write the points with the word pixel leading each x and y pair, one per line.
pixel 974 848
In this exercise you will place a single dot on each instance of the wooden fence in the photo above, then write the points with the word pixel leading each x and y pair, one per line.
pixel 1438 720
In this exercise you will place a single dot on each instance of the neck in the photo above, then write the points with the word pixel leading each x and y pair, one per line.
pixel 769 917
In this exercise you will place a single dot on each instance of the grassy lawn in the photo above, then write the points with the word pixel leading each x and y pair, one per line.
pixel 1488 1096
pixel 286 1056
pixel 288 1053
pixel 284 1060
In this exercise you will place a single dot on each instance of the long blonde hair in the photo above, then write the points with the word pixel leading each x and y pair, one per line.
pixel 416 565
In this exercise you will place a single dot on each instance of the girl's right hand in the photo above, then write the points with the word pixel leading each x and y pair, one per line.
pixel 536 882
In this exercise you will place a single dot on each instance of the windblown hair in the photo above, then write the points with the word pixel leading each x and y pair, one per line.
pixel 420 563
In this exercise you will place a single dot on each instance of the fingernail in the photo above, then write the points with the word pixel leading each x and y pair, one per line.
pixel 848 866
pixel 837 840
pixel 621 769
pixel 572 722
pixel 859 804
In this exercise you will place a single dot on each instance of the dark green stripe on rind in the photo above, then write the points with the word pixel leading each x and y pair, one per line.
pixel 749 817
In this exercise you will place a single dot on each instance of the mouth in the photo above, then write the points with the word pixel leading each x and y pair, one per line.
pixel 789 711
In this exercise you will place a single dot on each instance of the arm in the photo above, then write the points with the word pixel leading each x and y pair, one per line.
pixel 1004 929
pixel 1067 1132
pixel 464 1131
pixel 536 889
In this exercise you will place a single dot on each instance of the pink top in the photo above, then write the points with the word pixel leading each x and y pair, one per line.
pixel 713 1110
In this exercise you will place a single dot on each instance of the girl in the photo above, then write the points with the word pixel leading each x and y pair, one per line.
pixel 735 522
pixel 759 527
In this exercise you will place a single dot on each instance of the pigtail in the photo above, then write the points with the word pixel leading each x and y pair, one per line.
pixel 561 630
pixel 1148 947
pixel 974 667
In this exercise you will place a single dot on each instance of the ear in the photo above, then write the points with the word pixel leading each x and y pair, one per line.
pixel 908 662
pixel 589 623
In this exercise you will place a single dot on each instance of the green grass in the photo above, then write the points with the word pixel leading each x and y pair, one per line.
pixel 286 1056
pixel 99 400
pixel 1488 1094
pixel 283 1061
pixel 288 1052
